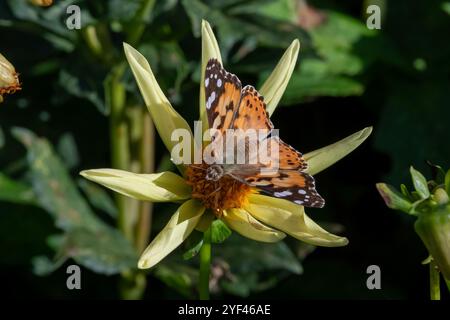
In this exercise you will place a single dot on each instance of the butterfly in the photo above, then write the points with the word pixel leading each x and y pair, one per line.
pixel 231 106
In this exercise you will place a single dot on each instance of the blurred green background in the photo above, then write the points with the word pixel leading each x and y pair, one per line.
pixel 348 77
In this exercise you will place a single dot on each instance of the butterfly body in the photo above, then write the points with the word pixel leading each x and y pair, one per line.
pixel 229 106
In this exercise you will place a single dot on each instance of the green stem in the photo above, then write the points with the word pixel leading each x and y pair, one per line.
pixel 435 293
pixel 137 25
pixel 205 266
pixel 147 160
pixel 120 144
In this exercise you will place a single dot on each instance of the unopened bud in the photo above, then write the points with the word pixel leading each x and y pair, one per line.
pixel 440 196
pixel 434 230
pixel 9 79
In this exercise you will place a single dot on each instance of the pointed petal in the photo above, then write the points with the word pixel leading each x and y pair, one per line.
pixel 240 221
pixel 157 187
pixel 210 49
pixel 321 159
pixel 291 218
pixel 164 116
pixel 273 88
pixel 174 233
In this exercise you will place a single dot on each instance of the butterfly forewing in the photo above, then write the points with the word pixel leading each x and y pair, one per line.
pixel 222 94
pixel 252 113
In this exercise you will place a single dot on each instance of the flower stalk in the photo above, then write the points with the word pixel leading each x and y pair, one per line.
pixel 205 266
pixel 435 292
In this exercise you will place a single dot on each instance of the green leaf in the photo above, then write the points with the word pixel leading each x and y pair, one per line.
pixel 105 251
pixel 393 198
pixel 195 243
pixel 447 182
pixel 219 231
pixel 53 186
pixel 405 191
pixel 265 264
pixel 98 197
pixel 87 239
pixel 67 149
pixel 177 276
pixel 2 138
pixel 82 86
pixel 259 256
pixel 15 191
pixel 420 183
pixel 43 266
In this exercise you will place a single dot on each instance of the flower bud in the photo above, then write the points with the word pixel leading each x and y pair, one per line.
pixel 42 3
pixel 434 230
pixel 440 196
pixel 9 79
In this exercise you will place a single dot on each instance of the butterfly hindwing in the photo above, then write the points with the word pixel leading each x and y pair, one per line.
pixel 296 186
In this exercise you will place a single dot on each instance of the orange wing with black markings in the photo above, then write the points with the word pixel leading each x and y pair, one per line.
pixel 222 94
pixel 230 107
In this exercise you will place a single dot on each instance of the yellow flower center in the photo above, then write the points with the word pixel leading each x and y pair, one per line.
pixel 222 194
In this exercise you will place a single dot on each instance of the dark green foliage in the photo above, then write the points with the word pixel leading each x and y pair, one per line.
pixel 348 77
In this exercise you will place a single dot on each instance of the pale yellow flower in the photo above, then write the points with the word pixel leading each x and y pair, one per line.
pixel 256 216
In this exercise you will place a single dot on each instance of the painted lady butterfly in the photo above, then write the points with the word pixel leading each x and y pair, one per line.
pixel 229 106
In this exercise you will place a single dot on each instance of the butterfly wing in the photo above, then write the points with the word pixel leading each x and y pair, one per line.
pixel 252 113
pixel 230 107
pixel 222 94
pixel 296 186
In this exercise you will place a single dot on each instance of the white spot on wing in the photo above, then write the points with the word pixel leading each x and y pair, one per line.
pixel 282 194
pixel 298 202
pixel 219 83
pixel 301 191
pixel 206 82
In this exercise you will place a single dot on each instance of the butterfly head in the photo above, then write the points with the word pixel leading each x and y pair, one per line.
pixel 215 188
pixel 214 172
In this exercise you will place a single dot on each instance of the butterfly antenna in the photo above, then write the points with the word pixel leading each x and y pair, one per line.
pixel 197 167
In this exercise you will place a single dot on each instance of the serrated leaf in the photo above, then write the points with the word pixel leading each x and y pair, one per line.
pixel 420 183
pixel 87 239
pixel 105 251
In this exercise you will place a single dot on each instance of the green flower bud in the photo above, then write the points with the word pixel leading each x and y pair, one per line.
pixel 440 196
pixel 434 230
pixel 393 198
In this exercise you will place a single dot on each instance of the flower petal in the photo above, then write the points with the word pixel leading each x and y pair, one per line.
pixel 157 187
pixel 321 159
pixel 240 221
pixel 210 49
pixel 291 218
pixel 164 116
pixel 275 85
pixel 174 233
